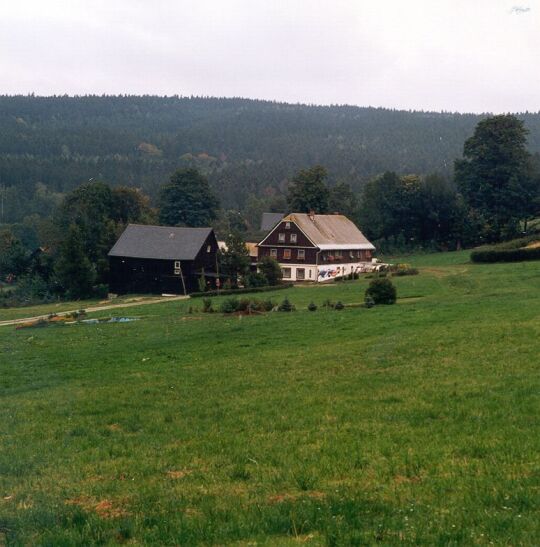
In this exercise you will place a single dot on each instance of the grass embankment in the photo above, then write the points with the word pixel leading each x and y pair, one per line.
pixel 413 423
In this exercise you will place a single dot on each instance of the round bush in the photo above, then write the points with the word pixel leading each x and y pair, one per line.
pixel 312 306
pixel 382 291
pixel 339 305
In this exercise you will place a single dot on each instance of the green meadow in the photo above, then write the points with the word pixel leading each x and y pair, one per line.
pixel 416 423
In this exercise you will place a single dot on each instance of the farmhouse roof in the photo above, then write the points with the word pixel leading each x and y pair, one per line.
pixel 269 220
pixel 160 242
pixel 330 231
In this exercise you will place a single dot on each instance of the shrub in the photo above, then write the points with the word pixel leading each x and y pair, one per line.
pixel 255 279
pixel 382 291
pixel 494 254
pixel 244 304
pixel 266 305
pixel 230 305
pixel 339 305
pixel 207 305
pixel 368 301
pixel 404 269
pixel 312 306
pixel 286 306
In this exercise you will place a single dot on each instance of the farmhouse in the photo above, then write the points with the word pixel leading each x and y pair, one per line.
pixel 312 247
pixel 162 259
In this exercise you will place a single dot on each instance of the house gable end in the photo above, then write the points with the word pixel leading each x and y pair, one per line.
pixel 272 238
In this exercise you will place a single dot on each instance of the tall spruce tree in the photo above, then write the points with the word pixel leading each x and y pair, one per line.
pixel 187 200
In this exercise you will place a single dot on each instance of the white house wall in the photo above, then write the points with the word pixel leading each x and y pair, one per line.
pixel 325 272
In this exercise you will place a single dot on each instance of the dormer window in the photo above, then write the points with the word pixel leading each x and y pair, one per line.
pixel 293 238
pixel 281 238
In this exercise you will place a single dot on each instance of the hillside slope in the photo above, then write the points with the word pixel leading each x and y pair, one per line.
pixel 246 147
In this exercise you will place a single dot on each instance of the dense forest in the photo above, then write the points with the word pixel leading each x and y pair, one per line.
pixel 248 149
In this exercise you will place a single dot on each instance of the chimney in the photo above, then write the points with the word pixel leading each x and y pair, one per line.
pixel 312 215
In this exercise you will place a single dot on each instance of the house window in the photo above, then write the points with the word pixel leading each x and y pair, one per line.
pixel 287 226
pixel 286 254
pixel 300 273
pixel 209 248
pixel 273 253
pixel 176 272
pixel 286 273
pixel 281 238
pixel 337 254
pixel 310 274
pixel 293 238
pixel 177 264
pixel 301 254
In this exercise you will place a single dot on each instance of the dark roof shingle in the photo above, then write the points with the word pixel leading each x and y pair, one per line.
pixel 160 242
pixel 269 220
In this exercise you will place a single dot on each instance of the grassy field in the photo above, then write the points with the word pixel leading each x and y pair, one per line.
pixel 416 423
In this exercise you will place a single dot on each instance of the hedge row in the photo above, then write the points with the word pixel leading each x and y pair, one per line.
pixel 505 255
pixel 240 291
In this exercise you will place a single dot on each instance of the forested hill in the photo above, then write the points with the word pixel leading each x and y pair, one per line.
pixel 49 145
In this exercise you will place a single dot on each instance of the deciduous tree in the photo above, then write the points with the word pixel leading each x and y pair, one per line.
pixel 187 200
pixel 309 191
pixel 494 175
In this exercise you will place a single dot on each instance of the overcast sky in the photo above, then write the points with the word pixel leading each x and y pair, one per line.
pixel 457 55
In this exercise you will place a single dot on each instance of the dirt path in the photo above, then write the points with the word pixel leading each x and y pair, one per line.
pixel 96 308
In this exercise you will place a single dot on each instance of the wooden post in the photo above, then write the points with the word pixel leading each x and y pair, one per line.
pixel 182 278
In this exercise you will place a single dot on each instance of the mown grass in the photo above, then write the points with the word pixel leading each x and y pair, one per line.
pixel 413 423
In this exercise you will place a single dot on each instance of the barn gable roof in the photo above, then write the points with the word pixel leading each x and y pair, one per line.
pixel 160 242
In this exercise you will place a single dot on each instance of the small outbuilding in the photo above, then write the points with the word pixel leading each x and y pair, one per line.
pixel 163 260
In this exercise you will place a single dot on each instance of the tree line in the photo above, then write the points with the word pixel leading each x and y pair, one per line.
pixel 493 194
pixel 248 150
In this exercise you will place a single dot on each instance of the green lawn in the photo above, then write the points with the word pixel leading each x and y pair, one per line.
pixel 414 423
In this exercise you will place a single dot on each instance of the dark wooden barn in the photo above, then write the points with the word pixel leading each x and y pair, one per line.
pixel 162 260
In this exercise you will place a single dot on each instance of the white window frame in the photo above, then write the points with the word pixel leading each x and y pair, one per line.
pixel 209 248
pixel 177 264
pixel 301 254
pixel 303 277
pixel 273 253
pixel 294 238
pixel 281 237
pixel 287 226
pixel 289 270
